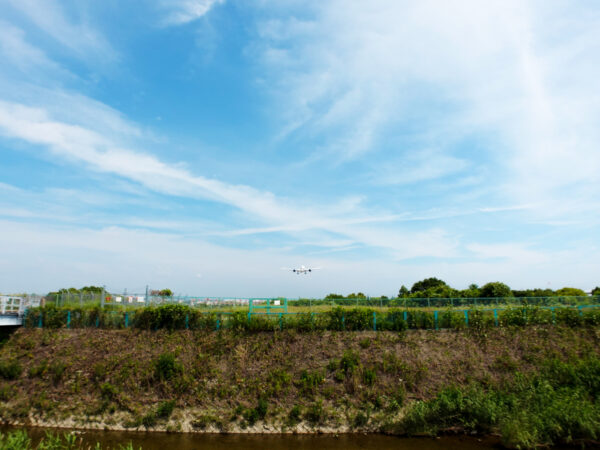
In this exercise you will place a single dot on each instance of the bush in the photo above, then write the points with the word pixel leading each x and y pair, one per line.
pixel 315 413
pixel 10 370
pixel 294 415
pixel 165 409
pixel 310 381
pixel 349 361
pixel 369 376
pixel 167 367
pixel 392 321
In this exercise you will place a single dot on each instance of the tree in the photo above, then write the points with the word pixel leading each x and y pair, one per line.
pixel 334 296
pixel 403 292
pixel 596 290
pixel 570 292
pixel 427 283
pixel 495 289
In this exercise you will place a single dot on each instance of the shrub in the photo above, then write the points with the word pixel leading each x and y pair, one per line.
pixel 10 370
pixel 369 376
pixel 315 413
pixel 108 391
pixel 349 361
pixel 310 381
pixel 360 420
pixel 294 415
pixel 392 321
pixel 165 409
pixel 167 367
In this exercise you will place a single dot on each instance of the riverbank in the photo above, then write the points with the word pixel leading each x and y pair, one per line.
pixel 422 381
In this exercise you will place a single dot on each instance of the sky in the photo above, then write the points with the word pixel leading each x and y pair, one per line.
pixel 203 145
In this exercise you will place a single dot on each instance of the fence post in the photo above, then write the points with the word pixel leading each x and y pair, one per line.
pixel 40 322
pixel 553 316
pixel 126 320
pixel 343 321
pixel 280 321
pixel 467 317
pixel 97 321
pixel 435 319
pixel 68 319
pixel 406 317
pixel 496 317
pixel 374 321
pixel 218 322
pixel 187 321
pixel 249 316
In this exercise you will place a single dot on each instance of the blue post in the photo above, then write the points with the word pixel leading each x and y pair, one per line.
pixel 249 316
pixel 496 317
pixel 374 321
pixel 68 319
pixel 40 323
pixel 435 319
pixel 467 317
pixel 126 320
pixel 97 321
pixel 343 321
pixel 280 321
pixel 218 323
pixel 553 316
pixel 187 321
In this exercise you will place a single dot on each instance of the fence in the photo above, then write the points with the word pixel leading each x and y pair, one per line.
pixel 129 301
pixel 182 317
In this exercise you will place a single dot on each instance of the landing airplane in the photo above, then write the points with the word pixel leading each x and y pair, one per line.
pixel 302 269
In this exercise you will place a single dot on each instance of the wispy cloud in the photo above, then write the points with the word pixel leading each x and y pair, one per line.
pixel 186 11
pixel 514 75
pixel 80 38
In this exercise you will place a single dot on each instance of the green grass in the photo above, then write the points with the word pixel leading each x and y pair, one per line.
pixel 558 405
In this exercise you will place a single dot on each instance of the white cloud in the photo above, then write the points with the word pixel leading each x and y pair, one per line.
pixel 185 11
pixel 80 38
pixel 518 76
pixel 79 144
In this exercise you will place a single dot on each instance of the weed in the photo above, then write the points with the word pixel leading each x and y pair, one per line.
pixel 310 381
pixel 167 367
pixel 165 409
pixel 369 376
pixel 349 361
pixel 365 343
pixel 360 420
pixel 294 416
pixel 10 370
pixel 315 413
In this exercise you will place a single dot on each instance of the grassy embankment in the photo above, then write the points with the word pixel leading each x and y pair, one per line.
pixel 534 384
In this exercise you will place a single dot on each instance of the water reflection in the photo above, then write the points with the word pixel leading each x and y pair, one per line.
pixel 155 441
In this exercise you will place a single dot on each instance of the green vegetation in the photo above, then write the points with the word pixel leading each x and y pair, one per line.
pixel 20 440
pixel 179 317
pixel 559 405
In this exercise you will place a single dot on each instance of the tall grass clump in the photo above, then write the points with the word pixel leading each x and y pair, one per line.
pixel 556 406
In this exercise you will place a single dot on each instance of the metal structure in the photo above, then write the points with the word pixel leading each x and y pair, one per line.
pixel 265 305
pixel 12 310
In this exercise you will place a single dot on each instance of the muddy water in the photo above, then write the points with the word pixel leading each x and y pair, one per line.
pixel 152 441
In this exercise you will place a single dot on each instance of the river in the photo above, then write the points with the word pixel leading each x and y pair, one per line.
pixel 155 441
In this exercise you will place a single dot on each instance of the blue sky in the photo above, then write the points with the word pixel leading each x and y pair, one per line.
pixel 202 145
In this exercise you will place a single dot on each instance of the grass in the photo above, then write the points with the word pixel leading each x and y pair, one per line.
pixel 341 318
pixel 460 379
pixel 556 406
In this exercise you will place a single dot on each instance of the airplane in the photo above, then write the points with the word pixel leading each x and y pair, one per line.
pixel 302 269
